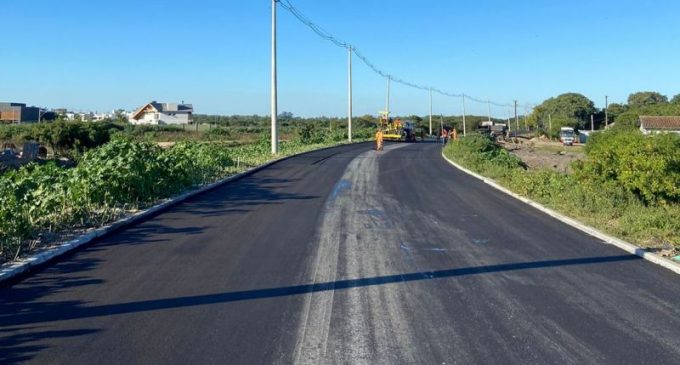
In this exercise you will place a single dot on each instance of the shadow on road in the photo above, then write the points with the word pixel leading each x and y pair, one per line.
pixel 29 301
pixel 20 313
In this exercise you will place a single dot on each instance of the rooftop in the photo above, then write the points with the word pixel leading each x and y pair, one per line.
pixel 660 122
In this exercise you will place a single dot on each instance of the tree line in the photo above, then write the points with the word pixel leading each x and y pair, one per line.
pixel 575 110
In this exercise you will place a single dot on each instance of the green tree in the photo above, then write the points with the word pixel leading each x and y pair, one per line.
pixel 616 109
pixel 643 98
pixel 570 109
pixel 627 120
pixel 676 99
pixel 120 116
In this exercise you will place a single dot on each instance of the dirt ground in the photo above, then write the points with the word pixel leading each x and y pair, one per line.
pixel 540 153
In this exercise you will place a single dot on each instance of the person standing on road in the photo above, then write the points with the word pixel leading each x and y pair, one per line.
pixel 444 136
pixel 379 140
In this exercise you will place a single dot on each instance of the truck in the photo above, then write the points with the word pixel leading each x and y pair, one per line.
pixel 567 136
pixel 493 130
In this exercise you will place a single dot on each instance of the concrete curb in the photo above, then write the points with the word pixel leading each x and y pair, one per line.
pixel 13 270
pixel 626 246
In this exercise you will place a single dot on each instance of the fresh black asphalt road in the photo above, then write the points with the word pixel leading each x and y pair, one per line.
pixel 346 256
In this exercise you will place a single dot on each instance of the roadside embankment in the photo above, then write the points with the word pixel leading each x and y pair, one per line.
pixel 627 184
pixel 42 206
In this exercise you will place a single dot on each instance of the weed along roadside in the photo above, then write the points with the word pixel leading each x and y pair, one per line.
pixel 627 185
pixel 43 205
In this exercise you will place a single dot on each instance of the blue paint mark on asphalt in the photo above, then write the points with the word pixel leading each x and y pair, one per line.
pixel 435 249
pixel 374 213
pixel 342 186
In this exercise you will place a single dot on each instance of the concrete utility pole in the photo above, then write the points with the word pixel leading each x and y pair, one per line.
pixel 488 107
pixel 592 122
pixel 275 131
pixel 516 120
pixel 349 93
pixel 463 115
pixel 430 111
pixel 606 111
pixel 387 102
pixel 549 124
pixel 441 124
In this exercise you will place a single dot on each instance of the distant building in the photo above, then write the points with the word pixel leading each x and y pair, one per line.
pixel 18 113
pixel 163 113
pixel 103 116
pixel 664 124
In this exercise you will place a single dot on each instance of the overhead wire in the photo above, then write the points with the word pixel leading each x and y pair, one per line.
pixel 287 5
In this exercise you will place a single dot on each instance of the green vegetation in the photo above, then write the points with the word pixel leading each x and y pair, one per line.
pixel 566 110
pixel 628 185
pixel 481 154
pixel 123 175
pixel 575 110
pixel 72 138
pixel 627 116
pixel 64 138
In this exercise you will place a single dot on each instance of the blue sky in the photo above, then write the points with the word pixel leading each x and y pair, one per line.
pixel 100 55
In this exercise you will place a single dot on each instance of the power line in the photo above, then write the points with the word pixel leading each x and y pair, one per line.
pixel 286 4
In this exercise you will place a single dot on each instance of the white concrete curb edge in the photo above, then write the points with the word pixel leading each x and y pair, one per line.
pixel 626 246
pixel 12 270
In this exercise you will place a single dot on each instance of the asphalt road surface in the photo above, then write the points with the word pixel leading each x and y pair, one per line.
pixel 346 256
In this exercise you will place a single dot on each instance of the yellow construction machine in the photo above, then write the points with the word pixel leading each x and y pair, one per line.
pixel 396 129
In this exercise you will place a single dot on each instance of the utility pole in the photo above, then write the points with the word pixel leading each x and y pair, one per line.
pixel 463 115
pixel 592 122
pixel 275 132
pixel 430 111
pixel 387 102
pixel 606 111
pixel 549 125
pixel 441 124
pixel 516 120
pixel 488 107
pixel 349 94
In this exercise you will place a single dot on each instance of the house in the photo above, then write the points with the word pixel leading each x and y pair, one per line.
pixel 18 113
pixel 665 124
pixel 163 113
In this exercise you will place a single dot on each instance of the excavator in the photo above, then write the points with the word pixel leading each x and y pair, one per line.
pixel 396 129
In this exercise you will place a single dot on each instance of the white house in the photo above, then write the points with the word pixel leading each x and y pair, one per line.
pixel 659 124
pixel 163 113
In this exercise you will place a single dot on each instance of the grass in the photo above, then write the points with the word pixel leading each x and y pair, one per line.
pixel 607 206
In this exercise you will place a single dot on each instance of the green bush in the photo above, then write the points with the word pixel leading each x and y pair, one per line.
pixel 648 166
pixel 483 155
pixel 627 185
pixel 120 174
pixel 64 137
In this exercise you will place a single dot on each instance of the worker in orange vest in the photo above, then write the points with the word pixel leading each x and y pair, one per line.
pixel 379 140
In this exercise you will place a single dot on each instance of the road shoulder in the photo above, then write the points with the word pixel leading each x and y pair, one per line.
pixel 624 245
